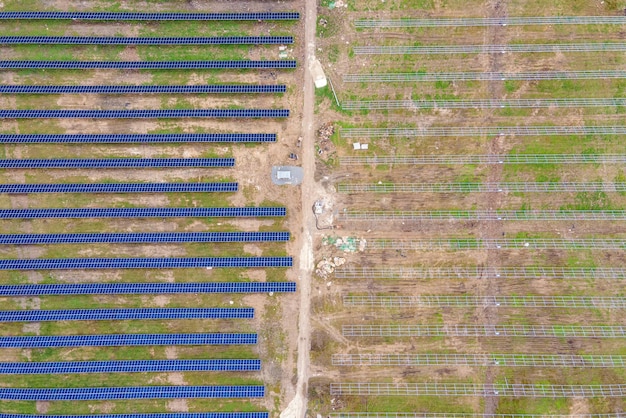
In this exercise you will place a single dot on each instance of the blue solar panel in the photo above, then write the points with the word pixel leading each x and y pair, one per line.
pixel 149 65
pixel 134 138
pixel 140 212
pixel 120 340
pixel 144 263
pixel 125 314
pixel 131 366
pixel 120 163
pixel 119 188
pixel 152 237
pixel 132 114
pixel 230 89
pixel 150 16
pixel 89 40
pixel 136 392
pixel 171 415
pixel 145 288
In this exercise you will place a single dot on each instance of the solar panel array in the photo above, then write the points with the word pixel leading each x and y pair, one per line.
pixel 133 138
pixel 230 89
pixel 143 263
pixel 132 114
pixel 165 415
pixel 119 188
pixel 125 314
pixel 146 288
pixel 130 366
pixel 137 392
pixel 141 212
pixel 119 340
pixel 120 163
pixel 90 40
pixel 150 16
pixel 144 237
pixel 149 65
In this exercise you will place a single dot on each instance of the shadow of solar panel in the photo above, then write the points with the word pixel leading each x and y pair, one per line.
pixel 121 340
pixel 134 138
pixel 229 89
pixel 136 392
pixel 120 163
pixel 125 314
pixel 165 415
pixel 140 212
pixel 143 65
pixel 144 237
pixel 89 40
pixel 131 366
pixel 130 263
pixel 146 288
pixel 150 16
pixel 137 114
pixel 120 188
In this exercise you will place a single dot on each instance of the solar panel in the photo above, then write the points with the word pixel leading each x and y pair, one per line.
pixel 130 366
pixel 131 114
pixel 125 314
pixel 170 415
pixel 152 65
pixel 145 288
pixel 120 340
pixel 119 188
pixel 133 392
pixel 134 138
pixel 150 16
pixel 144 237
pixel 89 40
pixel 140 212
pixel 120 163
pixel 230 89
pixel 144 263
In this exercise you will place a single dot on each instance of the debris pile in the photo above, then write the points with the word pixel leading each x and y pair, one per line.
pixel 327 266
pixel 323 136
pixel 346 244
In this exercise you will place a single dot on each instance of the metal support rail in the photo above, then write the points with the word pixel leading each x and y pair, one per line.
pixel 488 49
pixel 508 187
pixel 470 330
pixel 482 76
pixel 482 390
pixel 437 301
pixel 480 103
pixel 489 21
pixel 483 215
pixel 478 272
pixel 481 131
pixel 480 360
pixel 461 244
pixel 484 159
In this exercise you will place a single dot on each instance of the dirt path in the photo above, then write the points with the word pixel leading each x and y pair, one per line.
pixel 298 406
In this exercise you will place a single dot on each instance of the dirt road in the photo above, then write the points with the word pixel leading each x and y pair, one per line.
pixel 298 405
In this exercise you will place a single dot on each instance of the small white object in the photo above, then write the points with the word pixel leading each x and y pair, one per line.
pixel 283 175
pixel 231 302
pixel 365 146
pixel 356 145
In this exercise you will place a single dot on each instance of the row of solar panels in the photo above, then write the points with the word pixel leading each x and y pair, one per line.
pixel 134 392
pixel 149 65
pixel 143 237
pixel 120 163
pixel 164 415
pixel 204 88
pixel 144 263
pixel 131 366
pixel 132 138
pixel 125 314
pixel 244 212
pixel 146 288
pixel 120 188
pixel 121 340
pixel 91 40
pixel 150 16
pixel 132 114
